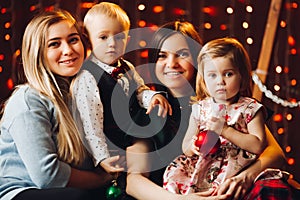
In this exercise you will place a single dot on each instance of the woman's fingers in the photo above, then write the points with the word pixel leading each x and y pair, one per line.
pixel 234 187
pixel 208 195
pixel 228 187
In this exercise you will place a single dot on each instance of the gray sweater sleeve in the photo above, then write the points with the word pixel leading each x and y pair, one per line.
pixel 34 129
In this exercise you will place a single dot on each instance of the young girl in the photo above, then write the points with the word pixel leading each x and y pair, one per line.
pixel 41 152
pixel 230 123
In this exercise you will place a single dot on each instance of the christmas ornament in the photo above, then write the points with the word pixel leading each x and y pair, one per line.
pixel 114 191
pixel 208 142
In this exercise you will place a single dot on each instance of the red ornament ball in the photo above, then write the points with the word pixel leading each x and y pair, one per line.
pixel 208 142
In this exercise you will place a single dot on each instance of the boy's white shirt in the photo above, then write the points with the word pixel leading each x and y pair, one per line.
pixel 144 95
pixel 86 93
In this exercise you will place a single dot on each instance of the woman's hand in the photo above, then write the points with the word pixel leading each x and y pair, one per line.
pixel 236 187
pixel 272 157
pixel 207 195
pixel 164 106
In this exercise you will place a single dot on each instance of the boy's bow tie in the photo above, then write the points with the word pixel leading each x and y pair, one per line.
pixel 117 71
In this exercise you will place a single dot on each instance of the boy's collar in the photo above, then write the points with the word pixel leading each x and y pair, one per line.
pixel 96 60
pixel 108 68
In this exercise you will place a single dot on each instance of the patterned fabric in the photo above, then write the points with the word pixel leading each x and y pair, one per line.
pixel 273 184
pixel 87 110
pixel 270 189
pixel 199 173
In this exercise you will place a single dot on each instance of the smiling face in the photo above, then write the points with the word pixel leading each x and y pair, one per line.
pixel 64 49
pixel 222 79
pixel 108 38
pixel 174 67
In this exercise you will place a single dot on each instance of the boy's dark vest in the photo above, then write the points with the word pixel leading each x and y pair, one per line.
pixel 118 108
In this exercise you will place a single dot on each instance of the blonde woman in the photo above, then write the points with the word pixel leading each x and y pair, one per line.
pixel 41 152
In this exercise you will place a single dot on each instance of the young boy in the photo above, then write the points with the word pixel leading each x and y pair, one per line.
pixel 108 86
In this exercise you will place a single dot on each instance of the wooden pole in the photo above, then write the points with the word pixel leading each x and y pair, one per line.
pixel 267 45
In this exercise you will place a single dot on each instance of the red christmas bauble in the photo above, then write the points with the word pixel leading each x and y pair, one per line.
pixel 208 142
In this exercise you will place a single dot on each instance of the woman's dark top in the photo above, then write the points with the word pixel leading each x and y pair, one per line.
pixel 166 134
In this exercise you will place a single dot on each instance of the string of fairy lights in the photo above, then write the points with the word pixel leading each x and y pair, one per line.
pixel 263 88
pixel 285 81
pixel 283 93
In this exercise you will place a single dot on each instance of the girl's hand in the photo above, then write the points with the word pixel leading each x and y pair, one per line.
pixel 164 106
pixel 216 124
pixel 113 164
pixel 192 149
pixel 236 186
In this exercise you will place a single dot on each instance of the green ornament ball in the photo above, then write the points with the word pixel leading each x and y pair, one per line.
pixel 113 192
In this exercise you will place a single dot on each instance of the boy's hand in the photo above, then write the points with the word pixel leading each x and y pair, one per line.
pixel 162 102
pixel 111 166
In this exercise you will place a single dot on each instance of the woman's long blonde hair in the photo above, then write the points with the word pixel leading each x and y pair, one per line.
pixel 40 77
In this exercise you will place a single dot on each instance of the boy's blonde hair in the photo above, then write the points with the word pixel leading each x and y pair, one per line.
pixel 233 50
pixel 111 10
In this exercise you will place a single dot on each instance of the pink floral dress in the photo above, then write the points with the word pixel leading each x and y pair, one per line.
pixel 200 173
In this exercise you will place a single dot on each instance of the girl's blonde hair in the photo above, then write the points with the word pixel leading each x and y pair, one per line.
pixel 236 53
pixel 40 77
pixel 110 10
